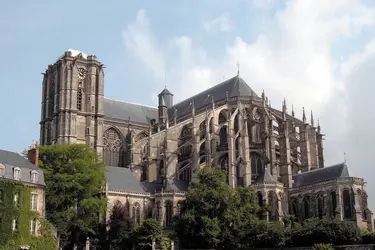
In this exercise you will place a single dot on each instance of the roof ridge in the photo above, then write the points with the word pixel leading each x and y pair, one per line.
pixel 134 103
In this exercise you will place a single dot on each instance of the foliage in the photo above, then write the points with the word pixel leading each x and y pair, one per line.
pixel 367 237
pixel 143 235
pixel 120 227
pixel 21 210
pixel 334 232
pixel 75 177
pixel 214 215
pixel 323 246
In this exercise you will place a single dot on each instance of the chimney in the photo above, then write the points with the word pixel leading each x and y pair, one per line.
pixel 33 154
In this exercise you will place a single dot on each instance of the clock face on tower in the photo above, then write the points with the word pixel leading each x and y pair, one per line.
pixel 82 73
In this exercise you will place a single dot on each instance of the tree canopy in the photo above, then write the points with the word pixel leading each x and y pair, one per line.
pixel 75 177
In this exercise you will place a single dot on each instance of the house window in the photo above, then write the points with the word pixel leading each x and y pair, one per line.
pixel 34 176
pixel 16 199
pixel 17 174
pixel 33 226
pixel 34 202
pixel 15 224
pixel 2 170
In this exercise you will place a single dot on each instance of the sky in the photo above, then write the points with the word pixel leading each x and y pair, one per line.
pixel 317 54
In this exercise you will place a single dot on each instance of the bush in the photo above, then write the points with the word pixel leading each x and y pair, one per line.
pixel 322 247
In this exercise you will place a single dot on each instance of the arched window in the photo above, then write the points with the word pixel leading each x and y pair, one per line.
pixel 256 166
pixel 347 204
pixel 17 173
pixel 185 151
pixel 113 152
pixel 273 206
pixel 141 136
pixel 168 213
pixel 306 207
pixel 333 204
pixel 320 206
pixel 137 214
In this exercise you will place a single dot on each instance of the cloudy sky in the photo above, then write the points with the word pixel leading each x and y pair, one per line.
pixel 317 54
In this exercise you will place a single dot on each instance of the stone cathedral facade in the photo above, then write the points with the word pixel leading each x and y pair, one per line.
pixel 153 153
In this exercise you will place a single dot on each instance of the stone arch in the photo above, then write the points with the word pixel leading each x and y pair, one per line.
pixel 257 165
pixel 113 148
pixel 141 135
pixel 185 150
pixel 202 130
pixel 273 204
pixel 168 213
pixel 347 204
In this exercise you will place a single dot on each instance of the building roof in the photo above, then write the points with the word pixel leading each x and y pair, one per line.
pixel 235 86
pixel 122 179
pixel 266 177
pixel 11 160
pixel 120 110
pixel 165 92
pixel 321 174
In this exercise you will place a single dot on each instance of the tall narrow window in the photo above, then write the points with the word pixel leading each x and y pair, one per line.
pixel 34 176
pixel 168 214
pixel 16 199
pixel 138 214
pixel 33 226
pixel 79 99
pixel 15 224
pixel 34 202
pixel 17 174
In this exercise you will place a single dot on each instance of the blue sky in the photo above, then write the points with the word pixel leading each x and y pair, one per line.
pixel 317 54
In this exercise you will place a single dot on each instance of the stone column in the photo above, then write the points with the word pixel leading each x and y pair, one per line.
pixel 231 154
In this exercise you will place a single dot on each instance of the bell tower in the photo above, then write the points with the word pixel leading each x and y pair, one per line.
pixel 72 101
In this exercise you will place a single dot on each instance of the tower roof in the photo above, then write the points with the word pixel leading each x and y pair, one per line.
pixel 74 52
pixel 165 92
pixel 235 86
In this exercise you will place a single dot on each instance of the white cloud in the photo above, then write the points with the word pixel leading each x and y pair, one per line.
pixel 221 23
pixel 292 59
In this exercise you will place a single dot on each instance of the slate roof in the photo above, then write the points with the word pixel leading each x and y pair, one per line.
pixel 266 177
pixel 119 110
pixel 10 160
pixel 122 179
pixel 165 92
pixel 235 86
pixel 321 174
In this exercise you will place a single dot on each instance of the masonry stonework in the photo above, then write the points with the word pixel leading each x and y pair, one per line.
pixel 153 153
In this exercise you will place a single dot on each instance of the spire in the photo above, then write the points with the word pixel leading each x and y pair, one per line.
pixel 238 69
pixel 175 117
pixel 193 109
pixel 303 115
pixel 318 126
pixel 284 106
pixel 312 119
pixel 292 110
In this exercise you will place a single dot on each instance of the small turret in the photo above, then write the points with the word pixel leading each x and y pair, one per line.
pixel 312 119
pixel 165 102
pixel 303 115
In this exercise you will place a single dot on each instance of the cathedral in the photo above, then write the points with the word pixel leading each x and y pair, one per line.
pixel 153 153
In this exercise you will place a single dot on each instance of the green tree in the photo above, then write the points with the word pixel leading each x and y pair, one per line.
pixel 336 232
pixel 121 227
pixel 75 177
pixel 214 215
pixel 148 231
